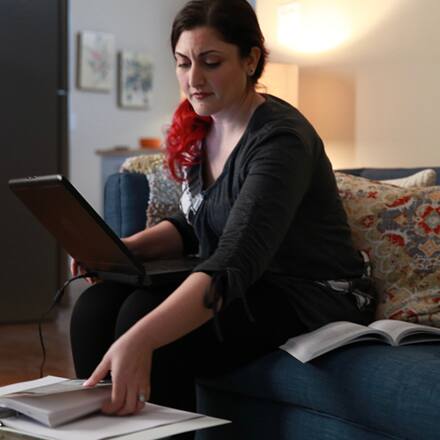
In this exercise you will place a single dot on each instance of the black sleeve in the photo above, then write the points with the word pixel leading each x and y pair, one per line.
pixel 279 173
pixel 190 242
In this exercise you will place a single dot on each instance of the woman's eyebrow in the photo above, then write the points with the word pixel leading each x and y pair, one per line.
pixel 201 54
pixel 209 52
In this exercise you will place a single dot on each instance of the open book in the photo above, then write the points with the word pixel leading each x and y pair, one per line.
pixel 57 403
pixel 337 334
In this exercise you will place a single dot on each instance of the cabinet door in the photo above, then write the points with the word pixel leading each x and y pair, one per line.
pixel 33 140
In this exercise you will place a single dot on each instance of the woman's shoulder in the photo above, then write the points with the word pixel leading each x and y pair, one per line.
pixel 275 116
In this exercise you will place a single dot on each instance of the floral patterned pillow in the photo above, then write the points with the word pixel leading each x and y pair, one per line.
pixel 400 230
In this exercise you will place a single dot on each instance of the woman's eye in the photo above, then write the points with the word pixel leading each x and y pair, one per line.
pixel 212 65
pixel 183 65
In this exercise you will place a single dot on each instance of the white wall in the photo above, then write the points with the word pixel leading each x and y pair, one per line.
pixel 96 120
pixel 397 114
pixel 392 64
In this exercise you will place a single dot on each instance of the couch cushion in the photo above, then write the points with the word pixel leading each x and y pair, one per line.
pixel 426 177
pixel 390 389
pixel 125 199
pixel 400 229
pixel 388 173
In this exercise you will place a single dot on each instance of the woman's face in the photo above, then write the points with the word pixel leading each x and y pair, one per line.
pixel 211 72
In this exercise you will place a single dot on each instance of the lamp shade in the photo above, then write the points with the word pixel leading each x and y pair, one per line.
pixel 281 80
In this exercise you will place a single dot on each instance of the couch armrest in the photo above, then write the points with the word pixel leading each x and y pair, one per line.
pixel 125 203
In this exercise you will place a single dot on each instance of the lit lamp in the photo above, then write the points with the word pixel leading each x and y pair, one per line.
pixel 312 27
pixel 327 99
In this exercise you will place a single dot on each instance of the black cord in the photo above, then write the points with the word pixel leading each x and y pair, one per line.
pixel 57 298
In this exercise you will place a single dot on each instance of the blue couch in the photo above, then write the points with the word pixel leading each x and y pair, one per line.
pixel 359 392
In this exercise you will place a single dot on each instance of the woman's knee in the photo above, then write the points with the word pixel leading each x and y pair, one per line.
pixel 138 304
pixel 101 299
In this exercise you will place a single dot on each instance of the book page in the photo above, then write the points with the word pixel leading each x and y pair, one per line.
pixel 100 426
pixel 22 386
pixel 63 386
pixel 336 334
pixel 407 332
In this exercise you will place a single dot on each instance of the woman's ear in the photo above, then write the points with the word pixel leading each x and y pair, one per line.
pixel 252 60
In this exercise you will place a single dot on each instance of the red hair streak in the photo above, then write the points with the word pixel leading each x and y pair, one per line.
pixel 183 138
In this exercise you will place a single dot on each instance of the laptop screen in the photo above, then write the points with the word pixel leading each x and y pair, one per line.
pixel 75 224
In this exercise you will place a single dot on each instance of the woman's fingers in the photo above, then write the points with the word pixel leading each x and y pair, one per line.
pixel 143 394
pixel 131 401
pixel 99 374
pixel 77 269
pixel 73 267
pixel 136 394
pixel 127 398
pixel 130 366
pixel 92 280
pixel 118 398
pixel 139 406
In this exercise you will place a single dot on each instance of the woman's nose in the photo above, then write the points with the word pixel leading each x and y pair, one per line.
pixel 196 77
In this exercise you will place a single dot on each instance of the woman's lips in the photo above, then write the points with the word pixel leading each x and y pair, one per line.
pixel 201 96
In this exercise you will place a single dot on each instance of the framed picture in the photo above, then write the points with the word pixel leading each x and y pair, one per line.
pixel 135 80
pixel 96 51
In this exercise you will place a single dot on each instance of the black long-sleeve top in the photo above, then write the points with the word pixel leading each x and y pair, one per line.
pixel 273 213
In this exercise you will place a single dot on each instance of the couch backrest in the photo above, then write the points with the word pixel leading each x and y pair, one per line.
pixel 125 203
pixel 388 173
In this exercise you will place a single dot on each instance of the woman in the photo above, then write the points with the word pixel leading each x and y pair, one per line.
pixel 260 204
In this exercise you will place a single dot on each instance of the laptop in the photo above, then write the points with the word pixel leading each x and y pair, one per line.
pixel 86 237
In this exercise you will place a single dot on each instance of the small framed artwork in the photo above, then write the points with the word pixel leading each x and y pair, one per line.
pixel 96 51
pixel 135 80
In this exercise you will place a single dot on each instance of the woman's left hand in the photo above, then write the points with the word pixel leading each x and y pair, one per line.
pixel 129 362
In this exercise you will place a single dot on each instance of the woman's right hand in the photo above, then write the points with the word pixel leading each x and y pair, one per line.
pixel 76 269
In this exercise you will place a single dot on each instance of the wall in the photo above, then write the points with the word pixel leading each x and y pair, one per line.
pixel 397 118
pixel 390 65
pixel 96 122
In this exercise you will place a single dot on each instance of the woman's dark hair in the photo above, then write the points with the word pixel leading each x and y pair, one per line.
pixel 236 23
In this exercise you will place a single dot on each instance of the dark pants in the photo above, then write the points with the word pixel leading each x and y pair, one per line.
pixel 106 310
